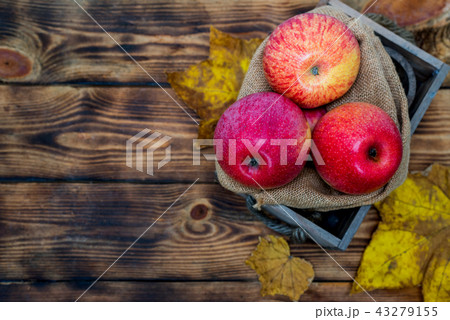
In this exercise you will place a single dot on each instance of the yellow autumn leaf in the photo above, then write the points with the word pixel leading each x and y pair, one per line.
pixel 411 245
pixel 279 272
pixel 211 86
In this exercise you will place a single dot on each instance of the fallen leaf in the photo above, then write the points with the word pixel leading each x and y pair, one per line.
pixel 279 272
pixel 211 86
pixel 408 13
pixel 411 245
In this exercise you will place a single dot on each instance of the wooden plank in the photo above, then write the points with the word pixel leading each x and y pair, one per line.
pixel 69 231
pixel 188 291
pixel 431 141
pixel 79 133
pixel 65 45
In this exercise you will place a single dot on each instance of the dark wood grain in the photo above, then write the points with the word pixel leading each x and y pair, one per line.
pixel 68 231
pixel 78 133
pixel 188 291
pixel 431 141
pixel 65 45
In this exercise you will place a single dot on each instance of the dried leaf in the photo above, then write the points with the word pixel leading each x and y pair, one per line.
pixel 211 86
pixel 411 245
pixel 279 272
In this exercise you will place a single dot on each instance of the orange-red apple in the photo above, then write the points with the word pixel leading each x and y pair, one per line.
pixel 311 58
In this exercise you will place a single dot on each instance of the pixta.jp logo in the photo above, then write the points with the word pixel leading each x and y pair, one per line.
pixel 150 143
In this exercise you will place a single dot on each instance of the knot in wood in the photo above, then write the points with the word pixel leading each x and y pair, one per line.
pixel 14 64
pixel 199 212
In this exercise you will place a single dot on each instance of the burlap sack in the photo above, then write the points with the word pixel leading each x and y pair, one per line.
pixel 377 83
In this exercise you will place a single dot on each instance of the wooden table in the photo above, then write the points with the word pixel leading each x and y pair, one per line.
pixel 69 206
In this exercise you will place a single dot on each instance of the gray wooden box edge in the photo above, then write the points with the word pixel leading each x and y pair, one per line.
pixel 317 233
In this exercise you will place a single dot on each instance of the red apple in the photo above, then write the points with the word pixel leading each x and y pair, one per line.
pixel 311 58
pixel 313 116
pixel 265 140
pixel 360 145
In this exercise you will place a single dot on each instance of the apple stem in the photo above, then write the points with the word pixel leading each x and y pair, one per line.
pixel 315 71
pixel 372 152
pixel 253 163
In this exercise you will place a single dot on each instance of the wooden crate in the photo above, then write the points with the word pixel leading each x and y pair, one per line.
pixel 335 229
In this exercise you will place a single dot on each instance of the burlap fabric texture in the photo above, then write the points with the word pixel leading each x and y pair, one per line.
pixel 377 83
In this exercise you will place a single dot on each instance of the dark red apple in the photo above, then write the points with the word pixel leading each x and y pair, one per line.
pixel 311 58
pixel 360 145
pixel 313 116
pixel 265 140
